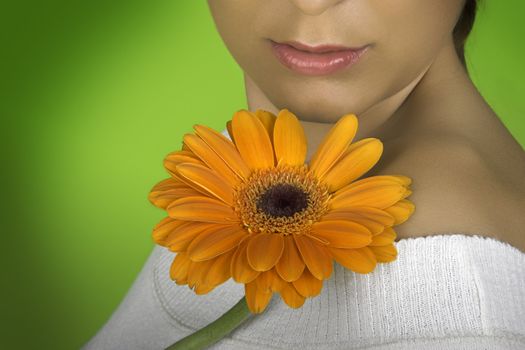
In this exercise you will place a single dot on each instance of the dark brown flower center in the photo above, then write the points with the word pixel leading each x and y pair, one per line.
pixel 282 200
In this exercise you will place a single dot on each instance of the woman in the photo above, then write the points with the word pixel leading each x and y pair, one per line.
pixel 458 281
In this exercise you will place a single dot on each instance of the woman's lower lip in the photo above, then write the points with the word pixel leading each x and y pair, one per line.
pixel 309 63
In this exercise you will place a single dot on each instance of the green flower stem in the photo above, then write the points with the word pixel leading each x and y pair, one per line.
pixel 216 330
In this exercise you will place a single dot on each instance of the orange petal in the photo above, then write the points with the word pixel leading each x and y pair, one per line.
pixel 290 296
pixel 255 299
pixel 201 289
pixel 219 272
pixel 241 270
pixel 317 239
pixel 360 260
pixel 334 145
pixel 224 148
pixel 267 119
pixel 165 198
pixel 401 211
pixel 358 159
pixel 252 140
pixel 373 219
pixel 180 238
pixel 264 251
pixel 179 268
pixel 342 233
pixel 166 191
pixel 185 147
pixel 307 285
pixel 206 179
pixel 315 257
pixel 197 272
pixel 215 241
pixel 291 265
pixel 189 184
pixel 211 159
pixel 230 130
pixel 386 253
pixel 269 281
pixel 169 184
pixel 164 228
pixel 386 237
pixel 200 208
pixel 174 158
pixel 404 180
pixel 370 194
pixel 166 184
pixel 289 139
pixel 376 180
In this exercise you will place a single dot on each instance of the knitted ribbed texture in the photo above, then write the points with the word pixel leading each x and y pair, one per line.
pixel 448 291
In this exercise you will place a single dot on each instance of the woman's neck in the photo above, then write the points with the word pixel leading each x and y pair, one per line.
pixel 436 87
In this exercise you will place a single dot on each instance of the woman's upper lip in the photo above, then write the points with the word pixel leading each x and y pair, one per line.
pixel 318 48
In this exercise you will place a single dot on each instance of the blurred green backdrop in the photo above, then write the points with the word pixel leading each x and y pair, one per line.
pixel 93 96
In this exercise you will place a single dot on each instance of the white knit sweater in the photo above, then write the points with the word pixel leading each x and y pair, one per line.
pixel 448 291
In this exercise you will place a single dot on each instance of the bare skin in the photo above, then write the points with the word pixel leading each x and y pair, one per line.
pixel 466 167
pixel 412 93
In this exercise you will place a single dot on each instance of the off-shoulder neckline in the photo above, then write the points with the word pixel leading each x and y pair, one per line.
pixel 461 235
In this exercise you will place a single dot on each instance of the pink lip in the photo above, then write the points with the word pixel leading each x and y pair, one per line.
pixel 316 60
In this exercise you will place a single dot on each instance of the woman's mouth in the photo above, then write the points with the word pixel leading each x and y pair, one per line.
pixel 316 60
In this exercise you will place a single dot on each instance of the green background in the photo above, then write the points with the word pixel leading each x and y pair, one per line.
pixel 93 96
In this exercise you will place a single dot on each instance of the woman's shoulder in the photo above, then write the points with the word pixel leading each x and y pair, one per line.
pixel 441 291
pixel 461 185
pixel 444 286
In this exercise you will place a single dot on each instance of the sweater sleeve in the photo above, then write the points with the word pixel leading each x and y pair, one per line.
pixel 451 291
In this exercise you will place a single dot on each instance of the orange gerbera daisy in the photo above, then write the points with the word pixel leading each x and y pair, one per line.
pixel 252 209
